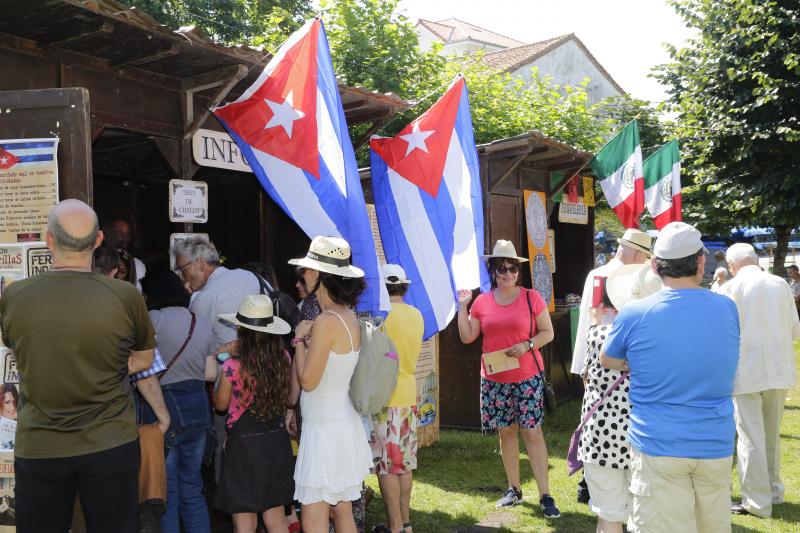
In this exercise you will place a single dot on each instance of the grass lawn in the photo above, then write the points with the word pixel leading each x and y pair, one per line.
pixel 461 477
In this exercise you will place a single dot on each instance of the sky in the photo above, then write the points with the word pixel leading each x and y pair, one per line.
pixel 625 36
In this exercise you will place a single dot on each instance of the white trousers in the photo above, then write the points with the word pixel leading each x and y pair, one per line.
pixel 758 448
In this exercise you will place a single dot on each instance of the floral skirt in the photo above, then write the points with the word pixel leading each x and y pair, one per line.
pixel 394 440
pixel 506 404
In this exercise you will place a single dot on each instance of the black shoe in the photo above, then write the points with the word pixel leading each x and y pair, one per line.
pixel 738 508
pixel 548 505
pixel 150 513
pixel 583 492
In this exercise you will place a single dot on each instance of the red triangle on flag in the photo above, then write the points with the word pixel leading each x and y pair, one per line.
pixel 279 117
pixel 7 159
pixel 419 152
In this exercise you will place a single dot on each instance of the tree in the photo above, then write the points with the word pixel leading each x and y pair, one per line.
pixel 374 46
pixel 252 22
pixel 736 91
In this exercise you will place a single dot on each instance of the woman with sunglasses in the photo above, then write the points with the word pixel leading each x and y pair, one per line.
pixel 514 321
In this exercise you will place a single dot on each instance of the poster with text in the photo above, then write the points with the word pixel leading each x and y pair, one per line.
pixel 539 245
pixel 28 187
pixel 12 265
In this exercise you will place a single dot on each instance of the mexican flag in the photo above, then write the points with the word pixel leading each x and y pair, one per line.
pixel 662 184
pixel 618 167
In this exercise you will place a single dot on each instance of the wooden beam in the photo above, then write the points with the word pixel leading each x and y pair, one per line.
pixel 510 167
pixel 103 29
pixel 236 73
pixel 514 152
pixel 209 80
pixel 368 114
pixel 149 57
pixel 355 104
pixel 149 127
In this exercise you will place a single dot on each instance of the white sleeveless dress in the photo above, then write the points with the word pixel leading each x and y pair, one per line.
pixel 334 456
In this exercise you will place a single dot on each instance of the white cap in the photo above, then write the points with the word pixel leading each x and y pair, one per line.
pixel 677 240
pixel 394 275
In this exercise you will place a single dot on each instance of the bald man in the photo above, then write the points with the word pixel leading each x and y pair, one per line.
pixel 76 335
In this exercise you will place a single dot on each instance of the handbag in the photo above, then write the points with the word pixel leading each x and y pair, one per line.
pixel 549 393
pixel 573 463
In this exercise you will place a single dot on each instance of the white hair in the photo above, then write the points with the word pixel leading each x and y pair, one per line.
pixel 741 253
pixel 721 270
pixel 194 248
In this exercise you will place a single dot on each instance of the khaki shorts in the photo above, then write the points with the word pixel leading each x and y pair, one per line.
pixel 675 494
pixel 609 489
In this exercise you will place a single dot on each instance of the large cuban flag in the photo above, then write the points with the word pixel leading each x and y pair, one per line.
pixel 290 126
pixel 428 201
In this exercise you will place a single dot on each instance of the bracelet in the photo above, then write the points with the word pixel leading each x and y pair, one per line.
pixel 298 340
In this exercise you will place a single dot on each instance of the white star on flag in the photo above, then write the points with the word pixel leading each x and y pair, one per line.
pixel 3 160
pixel 284 114
pixel 416 139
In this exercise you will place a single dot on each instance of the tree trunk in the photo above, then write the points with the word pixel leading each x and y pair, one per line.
pixel 782 234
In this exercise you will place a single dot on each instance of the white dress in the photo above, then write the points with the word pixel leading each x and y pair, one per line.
pixel 334 456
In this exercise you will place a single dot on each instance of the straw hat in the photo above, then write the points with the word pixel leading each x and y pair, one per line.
pixel 255 312
pixel 506 250
pixel 637 240
pixel 631 282
pixel 394 275
pixel 331 255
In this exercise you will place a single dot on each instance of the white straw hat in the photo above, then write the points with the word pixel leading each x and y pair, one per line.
pixel 256 313
pixel 637 240
pixel 394 275
pixel 331 255
pixel 506 250
pixel 631 282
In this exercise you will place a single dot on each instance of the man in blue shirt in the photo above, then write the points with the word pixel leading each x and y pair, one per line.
pixel 682 348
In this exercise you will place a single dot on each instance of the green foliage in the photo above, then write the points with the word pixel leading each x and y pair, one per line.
pixel 374 46
pixel 620 110
pixel 252 22
pixel 736 92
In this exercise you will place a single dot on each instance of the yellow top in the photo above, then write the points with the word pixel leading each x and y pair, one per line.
pixel 405 327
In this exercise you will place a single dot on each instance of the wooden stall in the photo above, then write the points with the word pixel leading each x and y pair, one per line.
pixel 527 162
pixel 144 93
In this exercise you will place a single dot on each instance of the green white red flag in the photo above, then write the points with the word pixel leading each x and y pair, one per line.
pixel 618 167
pixel 662 184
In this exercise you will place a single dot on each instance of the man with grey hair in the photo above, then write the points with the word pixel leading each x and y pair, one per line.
pixel 766 372
pixel 76 335
pixel 217 290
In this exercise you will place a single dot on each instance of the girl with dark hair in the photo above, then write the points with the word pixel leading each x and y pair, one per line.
pixel 515 323
pixel 185 342
pixel 334 456
pixel 255 390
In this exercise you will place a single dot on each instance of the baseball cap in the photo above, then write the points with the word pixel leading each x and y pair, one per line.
pixel 394 274
pixel 677 240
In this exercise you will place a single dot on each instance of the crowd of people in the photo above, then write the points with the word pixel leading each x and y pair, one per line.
pixel 114 405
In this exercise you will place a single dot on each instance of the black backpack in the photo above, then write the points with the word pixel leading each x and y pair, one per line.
pixel 285 306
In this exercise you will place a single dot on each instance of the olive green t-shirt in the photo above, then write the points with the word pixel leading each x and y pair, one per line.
pixel 72 333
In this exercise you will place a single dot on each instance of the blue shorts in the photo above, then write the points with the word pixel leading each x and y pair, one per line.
pixel 505 404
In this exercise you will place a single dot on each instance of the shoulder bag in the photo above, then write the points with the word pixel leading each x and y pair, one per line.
pixel 549 393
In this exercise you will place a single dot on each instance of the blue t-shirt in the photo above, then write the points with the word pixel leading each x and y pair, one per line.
pixel 682 347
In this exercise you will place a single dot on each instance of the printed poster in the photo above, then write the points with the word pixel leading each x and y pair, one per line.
pixel 427 383
pixel 28 187
pixel 12 265
pixel 588 191
pixel 539 248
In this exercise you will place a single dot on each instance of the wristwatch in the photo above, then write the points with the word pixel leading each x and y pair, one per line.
pixel 530 344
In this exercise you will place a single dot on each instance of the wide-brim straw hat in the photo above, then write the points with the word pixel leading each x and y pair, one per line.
pixel 256 313
pixel 505 249
pixel 637 240
pixel 631 282
pixel 331 255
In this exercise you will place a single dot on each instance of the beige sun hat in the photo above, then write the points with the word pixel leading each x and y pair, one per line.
pixel 631 282
pixel 637 240
pixel 506 250
pixel 331 255
pixel 256 313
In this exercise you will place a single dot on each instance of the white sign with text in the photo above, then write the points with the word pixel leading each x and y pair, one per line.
pixel 188 201
pixel 217 149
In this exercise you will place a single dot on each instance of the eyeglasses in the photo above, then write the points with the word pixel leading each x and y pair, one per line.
pixel 179 270
pixel 512 269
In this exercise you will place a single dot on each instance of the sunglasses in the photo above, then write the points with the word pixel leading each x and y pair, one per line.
pixel 512 269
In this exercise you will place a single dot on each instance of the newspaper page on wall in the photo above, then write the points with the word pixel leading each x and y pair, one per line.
pixel 28 187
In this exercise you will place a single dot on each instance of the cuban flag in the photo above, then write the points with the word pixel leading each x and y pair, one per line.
pixel 14 152
pixel 290 127
pixel 427 189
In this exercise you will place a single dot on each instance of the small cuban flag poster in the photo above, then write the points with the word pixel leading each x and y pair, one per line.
pixel 28 187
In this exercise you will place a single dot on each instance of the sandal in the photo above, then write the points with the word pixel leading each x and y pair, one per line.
pixel 407 526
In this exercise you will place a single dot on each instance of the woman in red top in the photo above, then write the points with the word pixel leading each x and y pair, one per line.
pixel 512 399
